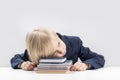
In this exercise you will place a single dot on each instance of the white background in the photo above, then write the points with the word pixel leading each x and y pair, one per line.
pixel 96 22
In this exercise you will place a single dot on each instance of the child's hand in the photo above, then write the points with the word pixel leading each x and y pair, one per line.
pixel 28 66
pixel 79 66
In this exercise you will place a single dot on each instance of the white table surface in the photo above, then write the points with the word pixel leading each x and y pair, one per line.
pixel 108 73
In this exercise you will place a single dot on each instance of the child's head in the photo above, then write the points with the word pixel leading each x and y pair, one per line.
pixel 44 43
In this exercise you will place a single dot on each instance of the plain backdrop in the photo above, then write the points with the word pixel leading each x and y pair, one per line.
pixel 96 22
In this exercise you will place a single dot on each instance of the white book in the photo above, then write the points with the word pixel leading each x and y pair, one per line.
pixel 53 60
pixel 64 64
pixel 53 68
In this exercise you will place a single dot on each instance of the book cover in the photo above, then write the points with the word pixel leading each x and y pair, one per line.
pixel 52 71
pixel 53 60
pixel 66 63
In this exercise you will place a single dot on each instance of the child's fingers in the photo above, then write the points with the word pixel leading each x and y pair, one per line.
pixel 71 68
pixel 33 64
pixel 35 69
pixel 23 67
pixel 81 68
pixel 78 66
pixel 30 66
pixel 27 65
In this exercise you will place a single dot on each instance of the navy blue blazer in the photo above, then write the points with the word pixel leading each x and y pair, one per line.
pixel 74 50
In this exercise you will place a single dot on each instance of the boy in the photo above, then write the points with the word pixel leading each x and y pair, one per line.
pixel 45 43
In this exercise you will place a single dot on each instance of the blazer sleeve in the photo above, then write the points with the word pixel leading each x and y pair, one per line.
pixel 94 59
pixel 18 59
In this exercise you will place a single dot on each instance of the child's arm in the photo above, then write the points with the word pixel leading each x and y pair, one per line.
pixel 89 57
pixel 18 59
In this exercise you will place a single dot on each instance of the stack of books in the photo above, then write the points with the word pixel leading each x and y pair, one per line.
pixel 54 65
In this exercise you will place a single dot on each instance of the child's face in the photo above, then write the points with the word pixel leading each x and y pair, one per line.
pixel 59 46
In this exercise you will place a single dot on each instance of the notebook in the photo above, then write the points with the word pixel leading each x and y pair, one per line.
pixel 53 60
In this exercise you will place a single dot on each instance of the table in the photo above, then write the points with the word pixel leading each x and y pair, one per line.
pixel 107 73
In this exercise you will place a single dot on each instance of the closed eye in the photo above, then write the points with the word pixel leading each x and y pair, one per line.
pixel 59 52
pixel 58 44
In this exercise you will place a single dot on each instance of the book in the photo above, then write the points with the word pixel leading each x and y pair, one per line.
pixel 53 65
pixel 66 63
pixel 52 71
pixel 53 60
pixel 54 68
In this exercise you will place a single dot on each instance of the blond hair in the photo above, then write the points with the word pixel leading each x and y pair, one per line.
pixel 39 45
